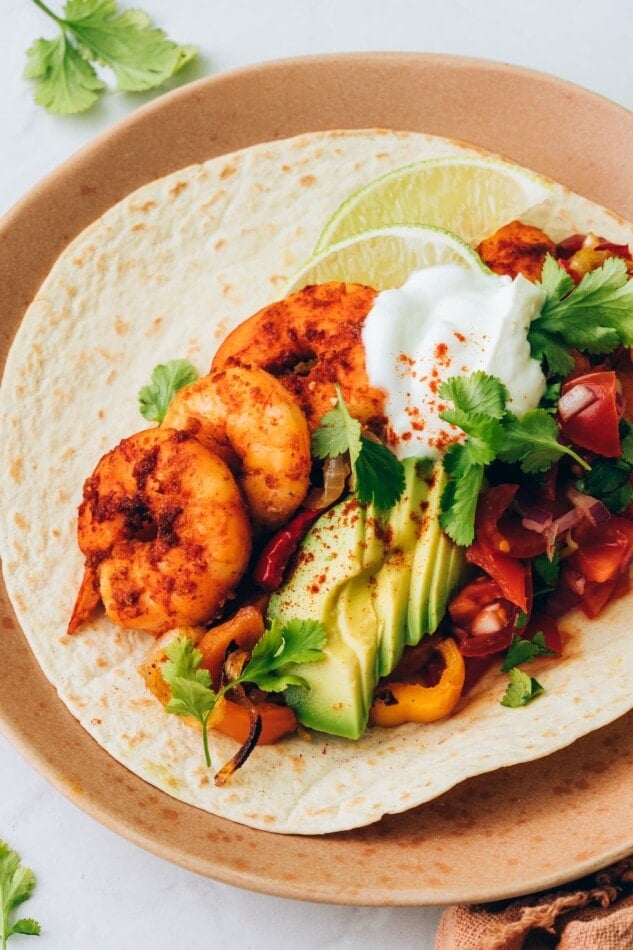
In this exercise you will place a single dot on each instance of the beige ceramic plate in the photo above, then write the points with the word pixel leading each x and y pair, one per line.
pixel 496 836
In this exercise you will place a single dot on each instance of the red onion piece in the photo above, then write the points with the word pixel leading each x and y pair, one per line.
pixel 575 581
pixel 537 519
pixel 592 509
pixel 335 473
pixel 490 619
pixel 575 400
pixel 569 520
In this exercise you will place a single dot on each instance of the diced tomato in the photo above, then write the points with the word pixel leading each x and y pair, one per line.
pixel 621 362
pixel 596 596
pixel 570 245
pixel 596 427
pixel 513 576
pixel 500 529
pixel 603 558
pixel 484 621
pixel 605 550
pixel 549 628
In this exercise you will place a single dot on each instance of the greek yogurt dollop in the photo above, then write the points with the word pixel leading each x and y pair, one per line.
pixel 448 321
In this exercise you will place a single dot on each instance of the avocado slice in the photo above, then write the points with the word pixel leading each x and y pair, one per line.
pixel 438 565
pixel 340 549
pixel 377 581
pixel 391 584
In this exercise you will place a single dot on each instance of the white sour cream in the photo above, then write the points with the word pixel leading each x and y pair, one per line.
pixel 449 321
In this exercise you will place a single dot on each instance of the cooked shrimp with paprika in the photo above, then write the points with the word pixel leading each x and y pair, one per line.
pixel 311 341
pixel 165 533
pixel 247 417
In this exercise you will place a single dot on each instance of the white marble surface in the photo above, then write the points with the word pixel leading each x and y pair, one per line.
pixel 95 889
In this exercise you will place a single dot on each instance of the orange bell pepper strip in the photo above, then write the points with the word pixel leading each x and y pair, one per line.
pixel 413 702
pixel 245 628
pixel 232 719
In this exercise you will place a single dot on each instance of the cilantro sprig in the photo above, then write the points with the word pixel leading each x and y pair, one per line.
pixel 521 689
pixel 492 433
pixel 378 474
pixel 167 379
pixel 271 667
pixel 140 56
pixel 524 651
pixel 16 886
pixel 610 478
pixel 594 316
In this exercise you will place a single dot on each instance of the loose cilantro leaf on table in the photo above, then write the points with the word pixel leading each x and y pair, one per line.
pixel 94 31
pixel 594 316
pixel 492 432
pixel 378 475
pixel 521 690
pixel 271 668
pixel 16 886
pixel 167 379
pixel 524 651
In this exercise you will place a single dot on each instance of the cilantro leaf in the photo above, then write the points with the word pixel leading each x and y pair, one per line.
pixel 378 474
pixel 610 481
pixel 626 438
pixel 338 433
pixel 476 394
pixel 485 437
pixel 532 441
pixel 191 692
pixel 16 886
pixel 524 651
pixel 546 348
pixel 521 689
pixel 167 379
pixel 140 56
pixel 459 504
pixel 65 81
pixel 94 31
pixel 547 571
pixel 280 648
pixel 594 316
pixel 492 433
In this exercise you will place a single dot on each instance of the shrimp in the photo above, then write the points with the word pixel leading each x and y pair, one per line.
pixel 517 248
pixel 165 533
pixel 311 341
pixel 246 416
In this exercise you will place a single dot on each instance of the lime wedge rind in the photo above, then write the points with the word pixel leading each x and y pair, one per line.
pixel 469 195
pixel 384 257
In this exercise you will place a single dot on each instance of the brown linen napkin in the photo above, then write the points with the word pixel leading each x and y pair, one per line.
pixel 595 913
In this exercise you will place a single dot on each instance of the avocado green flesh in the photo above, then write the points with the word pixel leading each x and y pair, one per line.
pixel 332 555
pixel 378 581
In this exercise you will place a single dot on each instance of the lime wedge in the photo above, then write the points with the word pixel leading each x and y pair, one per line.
pixel 471 196
pixel 384 258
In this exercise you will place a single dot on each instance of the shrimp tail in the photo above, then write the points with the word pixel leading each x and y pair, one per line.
pixel 88 599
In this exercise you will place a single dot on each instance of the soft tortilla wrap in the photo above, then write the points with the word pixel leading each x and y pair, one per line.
pixel 167 273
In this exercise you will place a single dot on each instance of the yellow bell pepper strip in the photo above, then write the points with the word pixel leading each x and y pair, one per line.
pixel 396 703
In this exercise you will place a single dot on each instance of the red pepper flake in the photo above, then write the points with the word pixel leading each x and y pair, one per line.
pixel 442 354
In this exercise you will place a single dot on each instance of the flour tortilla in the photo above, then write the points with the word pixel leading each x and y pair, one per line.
pixel 167 273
